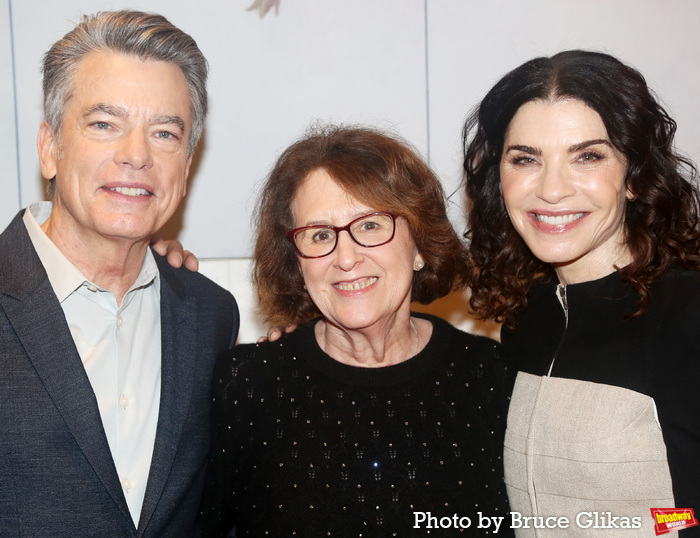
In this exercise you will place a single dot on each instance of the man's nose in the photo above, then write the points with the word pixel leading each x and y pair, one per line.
pixel 135 150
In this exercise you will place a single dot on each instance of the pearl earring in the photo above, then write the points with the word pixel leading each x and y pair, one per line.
pixel 418 265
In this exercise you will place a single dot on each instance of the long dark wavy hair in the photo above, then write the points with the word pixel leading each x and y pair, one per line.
pixel 379 170
pixel 661 224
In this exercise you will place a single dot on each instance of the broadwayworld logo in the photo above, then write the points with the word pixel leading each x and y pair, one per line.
pixel 672 519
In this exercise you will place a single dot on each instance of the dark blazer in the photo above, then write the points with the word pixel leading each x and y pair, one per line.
pixel 57 476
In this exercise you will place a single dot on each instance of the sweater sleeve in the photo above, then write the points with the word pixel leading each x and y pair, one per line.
pixel 218 506
pixel 676 390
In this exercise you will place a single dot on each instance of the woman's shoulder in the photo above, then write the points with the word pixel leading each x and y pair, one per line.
pixel 677 293
pixel 677 277
pixel 474 366
pixel 446 332
pixel 466 351
pixel 265 358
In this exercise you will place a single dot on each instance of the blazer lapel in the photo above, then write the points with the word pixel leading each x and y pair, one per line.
pixel 37 318
pixel 178 357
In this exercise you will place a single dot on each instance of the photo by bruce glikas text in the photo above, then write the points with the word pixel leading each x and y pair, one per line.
pixel 515 520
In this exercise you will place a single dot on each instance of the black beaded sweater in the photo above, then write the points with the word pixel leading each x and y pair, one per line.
pixel 307 446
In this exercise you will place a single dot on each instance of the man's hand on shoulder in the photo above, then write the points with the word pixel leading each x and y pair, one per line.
pixel 175 254
pixel 275 332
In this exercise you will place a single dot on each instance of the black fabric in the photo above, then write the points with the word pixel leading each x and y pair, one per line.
pixel 305 444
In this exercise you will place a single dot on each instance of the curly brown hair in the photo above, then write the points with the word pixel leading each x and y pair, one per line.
pixel 661 225
pixel 379 170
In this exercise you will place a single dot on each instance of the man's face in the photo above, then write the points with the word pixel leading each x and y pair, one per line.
pixel 121 160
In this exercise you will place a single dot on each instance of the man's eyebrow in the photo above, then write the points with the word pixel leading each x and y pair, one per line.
pixel 169 120
pixel 586 143
pixel 111 110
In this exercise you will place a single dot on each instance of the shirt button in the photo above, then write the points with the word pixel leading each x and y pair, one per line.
pixel 126 484
pixel 124 401
pixel 92 288
pixel 120 321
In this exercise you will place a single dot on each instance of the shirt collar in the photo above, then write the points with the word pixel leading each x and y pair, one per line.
pixel 65 277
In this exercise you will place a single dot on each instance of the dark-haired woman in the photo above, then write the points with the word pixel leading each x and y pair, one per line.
pixel 585 241
pixel 368 420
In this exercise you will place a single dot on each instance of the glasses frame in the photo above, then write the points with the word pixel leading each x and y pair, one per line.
pixel 337 229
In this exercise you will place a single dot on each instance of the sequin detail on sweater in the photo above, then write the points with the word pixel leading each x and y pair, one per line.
pixel 307 446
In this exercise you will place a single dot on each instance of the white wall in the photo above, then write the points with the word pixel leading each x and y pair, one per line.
pixel 9 178
pixel 472 44
pixel 269 79
pixel 416 66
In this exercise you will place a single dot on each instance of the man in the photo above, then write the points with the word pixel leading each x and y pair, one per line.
pixel 106 352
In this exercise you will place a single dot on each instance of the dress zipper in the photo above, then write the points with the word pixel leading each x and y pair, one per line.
pixel 563 301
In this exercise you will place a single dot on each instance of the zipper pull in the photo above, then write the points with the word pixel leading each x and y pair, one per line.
pixel 561 295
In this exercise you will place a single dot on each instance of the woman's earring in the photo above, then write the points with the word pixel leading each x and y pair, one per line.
pixel 418 265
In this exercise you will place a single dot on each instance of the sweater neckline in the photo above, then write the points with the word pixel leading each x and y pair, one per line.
pixel 610 286
pixel 307 349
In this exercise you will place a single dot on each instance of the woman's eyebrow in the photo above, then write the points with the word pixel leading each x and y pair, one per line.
pixel 588 143
pixel 525 149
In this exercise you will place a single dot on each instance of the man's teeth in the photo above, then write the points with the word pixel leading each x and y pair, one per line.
pixel 357 285
pixel 130 191
pixel 559 219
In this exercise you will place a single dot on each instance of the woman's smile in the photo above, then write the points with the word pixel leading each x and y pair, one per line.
pixel 356 285
pixel 557 220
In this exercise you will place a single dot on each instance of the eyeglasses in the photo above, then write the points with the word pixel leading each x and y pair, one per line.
pixel 318 241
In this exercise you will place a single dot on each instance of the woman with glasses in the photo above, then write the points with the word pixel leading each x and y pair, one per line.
pixel 368 420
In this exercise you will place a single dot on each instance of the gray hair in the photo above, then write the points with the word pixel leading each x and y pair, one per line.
pixel 147 36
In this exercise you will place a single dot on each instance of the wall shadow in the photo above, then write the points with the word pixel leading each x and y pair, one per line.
pixel 454 308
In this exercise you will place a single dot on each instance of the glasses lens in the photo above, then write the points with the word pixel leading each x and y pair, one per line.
pixel 368 231
pixel 316 241
pixel 373 230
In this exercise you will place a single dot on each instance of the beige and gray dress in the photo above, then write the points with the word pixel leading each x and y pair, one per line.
pixel 604 421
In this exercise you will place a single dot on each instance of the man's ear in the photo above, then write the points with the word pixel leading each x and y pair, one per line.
pixel 47 145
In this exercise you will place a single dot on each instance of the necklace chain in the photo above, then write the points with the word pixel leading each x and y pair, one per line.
pixel 410 320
